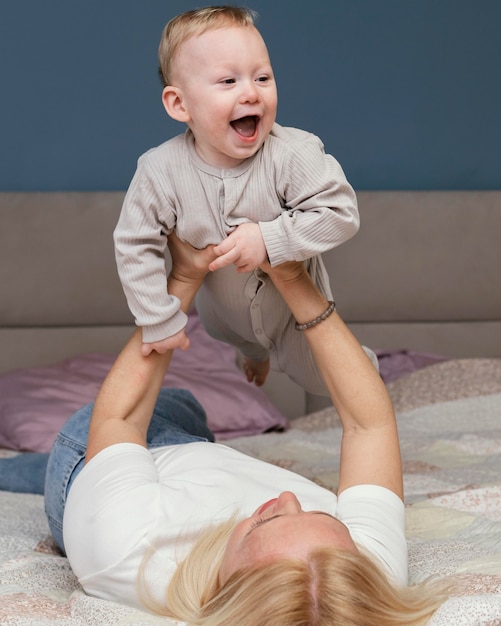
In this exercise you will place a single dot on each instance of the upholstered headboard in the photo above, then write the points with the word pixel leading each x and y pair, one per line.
pixel 423 273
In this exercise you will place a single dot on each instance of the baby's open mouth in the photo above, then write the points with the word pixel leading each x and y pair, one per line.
pixel 246 126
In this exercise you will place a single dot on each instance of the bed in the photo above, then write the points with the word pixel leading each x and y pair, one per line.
pixel 419 284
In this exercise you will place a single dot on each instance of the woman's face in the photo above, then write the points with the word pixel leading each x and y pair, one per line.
pixel 280 529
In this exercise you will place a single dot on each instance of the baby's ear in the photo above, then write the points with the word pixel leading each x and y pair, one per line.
pixel 172 98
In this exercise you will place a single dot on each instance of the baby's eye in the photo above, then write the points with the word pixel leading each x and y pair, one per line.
pixel 263 79
pixel 228 81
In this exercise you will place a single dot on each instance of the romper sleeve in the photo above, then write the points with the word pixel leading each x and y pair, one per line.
pixel 140 239
pixel 321 209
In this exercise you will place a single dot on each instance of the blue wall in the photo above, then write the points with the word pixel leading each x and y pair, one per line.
pixel 405 93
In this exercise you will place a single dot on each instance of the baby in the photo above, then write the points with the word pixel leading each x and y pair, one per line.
pixel 237 179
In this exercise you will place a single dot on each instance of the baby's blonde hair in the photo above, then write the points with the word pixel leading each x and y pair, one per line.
pixel 332 587
pixel 193 23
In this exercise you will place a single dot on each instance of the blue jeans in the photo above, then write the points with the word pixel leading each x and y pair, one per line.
pixel 24 473
pixel 177 418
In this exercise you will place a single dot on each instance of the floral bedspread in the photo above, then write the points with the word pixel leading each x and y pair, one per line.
pixel 449 417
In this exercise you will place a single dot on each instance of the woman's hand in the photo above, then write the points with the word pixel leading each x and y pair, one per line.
pixel 288 272
pixel 189 268
pixel 297 289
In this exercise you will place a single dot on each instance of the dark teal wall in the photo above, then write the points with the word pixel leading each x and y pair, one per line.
pixel 405 93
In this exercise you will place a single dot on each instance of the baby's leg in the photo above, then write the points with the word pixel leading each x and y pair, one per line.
pixel 292 356
pixel 256 371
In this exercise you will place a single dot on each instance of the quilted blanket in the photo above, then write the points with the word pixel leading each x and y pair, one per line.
pixel 449 418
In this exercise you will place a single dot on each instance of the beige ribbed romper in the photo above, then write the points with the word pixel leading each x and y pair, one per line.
pixel 304 206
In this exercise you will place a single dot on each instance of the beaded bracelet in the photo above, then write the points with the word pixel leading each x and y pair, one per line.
pixel 330 309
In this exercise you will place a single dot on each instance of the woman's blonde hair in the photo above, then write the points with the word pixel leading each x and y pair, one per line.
pixel 332 588
pixel 193 23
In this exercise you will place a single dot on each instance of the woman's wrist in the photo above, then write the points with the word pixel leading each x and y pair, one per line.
pixel 189 268
pixel 317 320
pixel 305 301
pixel 183 288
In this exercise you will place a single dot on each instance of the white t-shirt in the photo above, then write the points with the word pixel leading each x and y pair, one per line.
pixel 128 499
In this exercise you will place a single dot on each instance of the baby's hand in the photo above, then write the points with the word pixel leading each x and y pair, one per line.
pixel 244 247
pixel 179 340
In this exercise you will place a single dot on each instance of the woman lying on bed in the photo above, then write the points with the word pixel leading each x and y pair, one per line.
pixel 156 515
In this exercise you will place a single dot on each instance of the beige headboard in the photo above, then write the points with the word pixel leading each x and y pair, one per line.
pixel 423 273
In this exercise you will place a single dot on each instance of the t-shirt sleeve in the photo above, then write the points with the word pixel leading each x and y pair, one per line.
pixel 375 517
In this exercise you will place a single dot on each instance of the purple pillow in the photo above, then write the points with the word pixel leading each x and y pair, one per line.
pixel 393 364
pixel 35 402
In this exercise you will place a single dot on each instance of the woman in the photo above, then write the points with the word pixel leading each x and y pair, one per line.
pixel 158 516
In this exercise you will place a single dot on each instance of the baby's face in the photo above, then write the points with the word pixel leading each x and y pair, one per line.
pixel 229 92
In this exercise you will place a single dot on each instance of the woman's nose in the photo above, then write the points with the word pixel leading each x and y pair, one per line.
pixel 287 503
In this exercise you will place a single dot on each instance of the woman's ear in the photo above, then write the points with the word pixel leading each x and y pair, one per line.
pixel 172 99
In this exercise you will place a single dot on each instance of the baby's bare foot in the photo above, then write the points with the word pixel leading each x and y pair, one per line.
pixel 256 371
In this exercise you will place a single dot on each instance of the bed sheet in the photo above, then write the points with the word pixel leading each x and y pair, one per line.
pixel 449 418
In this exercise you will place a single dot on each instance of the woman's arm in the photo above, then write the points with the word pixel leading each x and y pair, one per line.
pixel 370 450
pixel 124 405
